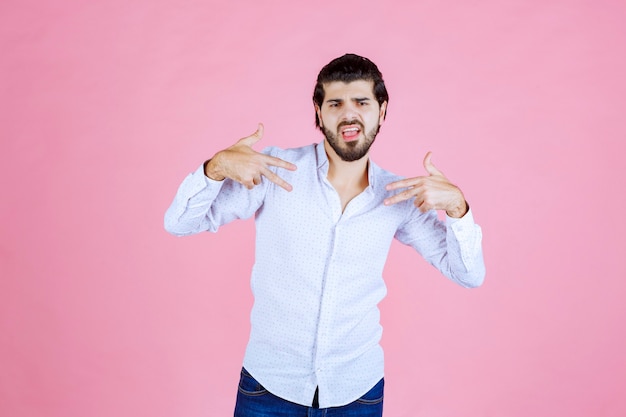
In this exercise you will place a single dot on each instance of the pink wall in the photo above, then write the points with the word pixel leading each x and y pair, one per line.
pixel 106 106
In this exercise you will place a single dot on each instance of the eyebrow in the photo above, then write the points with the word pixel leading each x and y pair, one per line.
pixel 340 100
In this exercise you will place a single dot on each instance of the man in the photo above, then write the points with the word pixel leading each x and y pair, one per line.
pixel 325 219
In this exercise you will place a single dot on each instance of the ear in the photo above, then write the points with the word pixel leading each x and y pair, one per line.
pixel 319 114
pixel 383 113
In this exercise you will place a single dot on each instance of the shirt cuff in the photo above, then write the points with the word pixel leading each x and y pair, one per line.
pixel 460 223
pixel 198 184
pixel 469 237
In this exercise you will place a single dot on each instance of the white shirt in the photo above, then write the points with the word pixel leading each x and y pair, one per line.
pixel 317 277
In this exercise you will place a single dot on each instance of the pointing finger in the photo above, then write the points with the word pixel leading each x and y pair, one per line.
pixel 277 162
pixel 407 182
pixel 404 195
pixel 277 180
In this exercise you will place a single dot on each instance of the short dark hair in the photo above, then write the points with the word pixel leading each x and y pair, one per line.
pixel 348 68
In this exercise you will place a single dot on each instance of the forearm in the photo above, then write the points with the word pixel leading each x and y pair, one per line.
pixel 188 212
pixel 203 204
pixel 465 264
pixel 453 246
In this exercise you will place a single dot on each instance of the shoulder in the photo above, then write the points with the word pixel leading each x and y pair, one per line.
pixel 379 178
pixel 296 156
pixel 382 177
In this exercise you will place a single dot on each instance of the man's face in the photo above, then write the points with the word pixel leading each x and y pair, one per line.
pixel 350 117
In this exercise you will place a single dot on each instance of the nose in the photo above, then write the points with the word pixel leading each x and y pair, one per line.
pixel 350 112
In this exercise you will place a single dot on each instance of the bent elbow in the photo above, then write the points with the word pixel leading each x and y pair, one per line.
pixel 473 280
pixel 173 227
pixel 474 283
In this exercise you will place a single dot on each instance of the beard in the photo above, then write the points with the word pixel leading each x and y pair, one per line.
pixel 354 150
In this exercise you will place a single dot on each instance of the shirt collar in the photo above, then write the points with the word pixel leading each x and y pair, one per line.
pixel 322 164
pixel 322 158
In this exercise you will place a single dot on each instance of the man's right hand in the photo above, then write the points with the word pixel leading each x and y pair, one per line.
pixel 243 164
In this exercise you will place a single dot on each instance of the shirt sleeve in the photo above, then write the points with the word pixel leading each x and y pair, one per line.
pixel 454 247
pixel 202 204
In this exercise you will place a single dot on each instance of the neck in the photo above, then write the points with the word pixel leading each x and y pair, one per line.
pixel 346 174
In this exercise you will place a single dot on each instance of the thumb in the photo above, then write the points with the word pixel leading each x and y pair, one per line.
pixel 430 168
pixel 253 138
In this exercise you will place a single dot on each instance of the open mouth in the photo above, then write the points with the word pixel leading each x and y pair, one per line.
pixel 350 132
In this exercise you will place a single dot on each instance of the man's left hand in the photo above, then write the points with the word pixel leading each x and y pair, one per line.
pixel 431 192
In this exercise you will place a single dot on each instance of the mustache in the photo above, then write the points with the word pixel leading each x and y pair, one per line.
pixel 350 122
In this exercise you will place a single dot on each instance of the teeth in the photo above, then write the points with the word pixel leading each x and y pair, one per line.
pixel 351 129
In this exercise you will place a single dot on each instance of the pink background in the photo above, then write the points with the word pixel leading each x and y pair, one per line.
pixel 106 106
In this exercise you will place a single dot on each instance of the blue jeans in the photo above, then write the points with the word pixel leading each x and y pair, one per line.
pixel 255 401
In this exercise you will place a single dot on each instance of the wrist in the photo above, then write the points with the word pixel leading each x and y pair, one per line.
pixel 210 170
pixel 458 211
